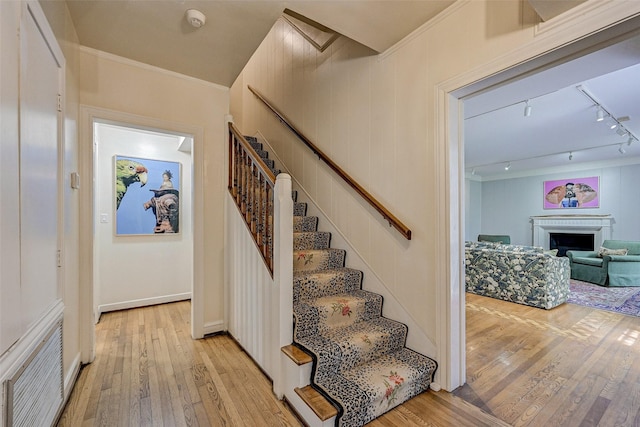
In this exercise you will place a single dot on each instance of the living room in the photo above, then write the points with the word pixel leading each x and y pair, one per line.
pixel 546 127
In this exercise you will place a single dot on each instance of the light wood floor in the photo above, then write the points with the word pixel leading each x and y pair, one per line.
pixel 567 366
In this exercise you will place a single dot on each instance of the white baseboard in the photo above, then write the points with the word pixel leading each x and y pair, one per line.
pixel 214 327
pixel 103 308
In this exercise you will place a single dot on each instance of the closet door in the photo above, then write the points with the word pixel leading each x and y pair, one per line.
pixel 40 83
pixel 10 322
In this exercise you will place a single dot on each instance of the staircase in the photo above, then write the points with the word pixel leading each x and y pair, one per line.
pixel 352 357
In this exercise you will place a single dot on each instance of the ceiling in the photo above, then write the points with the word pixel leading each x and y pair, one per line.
pixel 562 121
pixel 156 32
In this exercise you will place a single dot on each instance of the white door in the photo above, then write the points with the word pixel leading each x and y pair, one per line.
pixel 40 77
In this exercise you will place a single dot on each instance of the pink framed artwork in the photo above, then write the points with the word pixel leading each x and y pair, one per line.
pixel 572 193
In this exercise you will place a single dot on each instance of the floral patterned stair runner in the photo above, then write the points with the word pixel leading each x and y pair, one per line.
pixel 361 363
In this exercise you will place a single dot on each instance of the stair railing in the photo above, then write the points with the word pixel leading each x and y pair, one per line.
pixel 386 214
pixel 266 207
pixel 251 183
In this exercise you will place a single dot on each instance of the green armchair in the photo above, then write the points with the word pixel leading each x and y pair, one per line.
pixel 608 270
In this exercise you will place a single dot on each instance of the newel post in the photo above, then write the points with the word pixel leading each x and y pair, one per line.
pixel 282 276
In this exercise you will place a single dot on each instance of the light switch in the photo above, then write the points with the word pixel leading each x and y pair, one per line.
pixel 104 218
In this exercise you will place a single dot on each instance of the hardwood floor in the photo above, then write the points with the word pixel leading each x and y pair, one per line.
pixel 530 367
pixel 569 366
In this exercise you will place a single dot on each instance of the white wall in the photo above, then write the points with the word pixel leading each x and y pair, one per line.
pixel 134 271
pixel 506 205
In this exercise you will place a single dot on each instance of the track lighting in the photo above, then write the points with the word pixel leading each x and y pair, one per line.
pixel 508 166
pixel 614 123
pixel 527 109
pixel 621 149
pixel 570 155
pixel 473 171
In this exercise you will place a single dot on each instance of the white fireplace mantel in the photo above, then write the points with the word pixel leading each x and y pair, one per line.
pixel 598 225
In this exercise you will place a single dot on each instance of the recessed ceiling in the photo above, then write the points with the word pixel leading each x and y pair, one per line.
pixel 562 123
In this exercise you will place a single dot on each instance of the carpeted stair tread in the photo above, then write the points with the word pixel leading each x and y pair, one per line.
pixel 253 141
pixel 311 240
pixel 382 384
pixel 299 209
pixel 270 163
pixel 309 285
pixel 364 341
pixel 305 223
pixel 318 259
pixel 326 314
pixel 262 153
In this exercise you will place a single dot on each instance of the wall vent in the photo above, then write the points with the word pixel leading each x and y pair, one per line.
pixel 35 392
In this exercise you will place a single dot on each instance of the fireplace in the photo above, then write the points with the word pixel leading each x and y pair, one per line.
pixel 598 226
pixel 564 242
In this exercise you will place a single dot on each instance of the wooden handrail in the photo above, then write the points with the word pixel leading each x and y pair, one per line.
pixel 393 221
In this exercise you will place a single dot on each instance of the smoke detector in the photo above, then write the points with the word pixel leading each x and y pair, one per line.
pixel 195 18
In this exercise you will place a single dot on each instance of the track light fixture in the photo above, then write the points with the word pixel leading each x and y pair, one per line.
pixel 614 123
pixel 621 149
pixel 508 166
pixel 527 109
pixel 570 155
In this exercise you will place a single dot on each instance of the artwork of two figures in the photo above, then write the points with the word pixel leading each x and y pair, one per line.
pixel 147 196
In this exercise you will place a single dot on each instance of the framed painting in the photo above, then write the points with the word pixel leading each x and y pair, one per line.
pixel 572 193
pixel 147 196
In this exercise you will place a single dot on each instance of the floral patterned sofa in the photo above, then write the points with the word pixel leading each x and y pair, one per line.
pixel 522 274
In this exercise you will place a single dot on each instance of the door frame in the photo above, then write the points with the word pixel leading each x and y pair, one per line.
pixel 583 29
pixel 87 152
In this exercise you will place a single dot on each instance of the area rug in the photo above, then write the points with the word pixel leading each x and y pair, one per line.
pixel 625 300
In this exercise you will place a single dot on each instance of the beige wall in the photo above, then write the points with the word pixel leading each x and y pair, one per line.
pixel 124 86
pixel 379 118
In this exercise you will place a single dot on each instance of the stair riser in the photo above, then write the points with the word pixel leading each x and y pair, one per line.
pixel 311 285
pixel 305 224
pixel 310 241
pixel 315 260
pixel 313 317
pixel 299 209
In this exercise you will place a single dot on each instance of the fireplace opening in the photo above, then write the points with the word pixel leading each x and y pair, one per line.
pixel 564 242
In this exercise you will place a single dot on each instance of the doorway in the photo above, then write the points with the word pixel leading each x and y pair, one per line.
pixel 450 126
pixel 90 215
pixel 143 247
